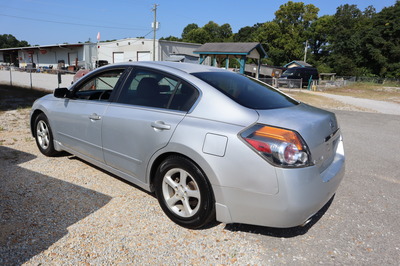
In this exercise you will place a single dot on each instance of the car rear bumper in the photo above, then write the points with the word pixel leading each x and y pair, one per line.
pixel 302 193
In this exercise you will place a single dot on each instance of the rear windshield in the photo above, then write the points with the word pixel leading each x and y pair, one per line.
pixel 246 91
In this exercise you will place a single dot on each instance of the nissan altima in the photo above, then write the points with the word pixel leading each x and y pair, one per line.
pixel 211 144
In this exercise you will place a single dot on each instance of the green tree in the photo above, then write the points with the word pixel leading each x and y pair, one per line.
pixel 171 38
pixel 318 35
pixel 225 32
pixel 296 16
pixel 211 32
pixel 350 42
pixel 286 35
pixel 245 34
pixel 381 42
pixel 199 35
pixel 212 29
pixel 188 29
pixel 269 35
pixel 346 40
pixel 9 41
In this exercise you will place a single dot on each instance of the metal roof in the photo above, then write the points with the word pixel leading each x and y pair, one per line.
pixel 300 63
pixel 237 48
pixel 45 46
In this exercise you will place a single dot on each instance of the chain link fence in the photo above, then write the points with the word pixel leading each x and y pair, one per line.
pixel 31 78
pixel 49 79
pixel 283 83
pixel 321 84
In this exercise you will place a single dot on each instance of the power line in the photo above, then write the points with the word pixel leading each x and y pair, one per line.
pixel 71 23
pixel 52 14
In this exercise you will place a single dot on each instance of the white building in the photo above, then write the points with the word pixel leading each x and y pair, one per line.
pixel 50 56
pixel 136 49
pixel 74 56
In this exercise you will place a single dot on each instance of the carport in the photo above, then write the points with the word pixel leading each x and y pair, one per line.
pixel 221 53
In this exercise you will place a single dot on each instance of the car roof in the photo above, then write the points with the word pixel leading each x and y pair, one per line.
pixel 185 67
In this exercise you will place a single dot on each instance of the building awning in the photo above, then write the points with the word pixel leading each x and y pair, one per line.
pixel 241 51
pixel 238 48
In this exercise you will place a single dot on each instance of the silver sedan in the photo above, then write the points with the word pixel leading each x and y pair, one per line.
pixel 211 144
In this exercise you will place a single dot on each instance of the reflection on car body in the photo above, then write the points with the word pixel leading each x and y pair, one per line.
pixel 211 144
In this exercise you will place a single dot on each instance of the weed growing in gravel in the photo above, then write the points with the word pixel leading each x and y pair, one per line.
pixel 1 128
pixel 28 139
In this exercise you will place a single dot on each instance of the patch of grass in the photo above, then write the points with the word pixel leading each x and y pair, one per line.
pixel 1 128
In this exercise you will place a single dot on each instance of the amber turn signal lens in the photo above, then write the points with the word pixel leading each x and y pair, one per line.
pixel 280 134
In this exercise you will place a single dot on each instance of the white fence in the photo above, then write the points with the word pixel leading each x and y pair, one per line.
pixel 46 81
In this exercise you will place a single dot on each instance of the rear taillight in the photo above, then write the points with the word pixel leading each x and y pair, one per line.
pixel 281 147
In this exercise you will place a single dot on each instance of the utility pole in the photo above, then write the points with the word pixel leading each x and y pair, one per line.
pixel 305 52
pixel 155 27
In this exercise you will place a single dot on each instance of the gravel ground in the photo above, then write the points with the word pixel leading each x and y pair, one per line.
pixel 62 210
pixel 374 105
pixel 348 103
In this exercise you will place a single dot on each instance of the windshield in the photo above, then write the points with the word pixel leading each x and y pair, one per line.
pixel 289 72
pixel 246 91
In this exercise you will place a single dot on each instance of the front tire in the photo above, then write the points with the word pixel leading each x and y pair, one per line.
pixel 44 136
pixel 184 193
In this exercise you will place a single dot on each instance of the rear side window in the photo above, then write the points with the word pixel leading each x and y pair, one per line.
pixel 155 89
pixel 246 91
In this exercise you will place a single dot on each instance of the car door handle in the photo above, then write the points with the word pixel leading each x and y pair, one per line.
pixel 94 116
pixel 160 125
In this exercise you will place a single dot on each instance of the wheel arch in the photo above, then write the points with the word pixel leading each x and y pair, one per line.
pixel 198 161
pixel 35 114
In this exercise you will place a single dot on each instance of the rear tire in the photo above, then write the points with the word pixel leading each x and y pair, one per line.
pixel 184 193
pixel 44 136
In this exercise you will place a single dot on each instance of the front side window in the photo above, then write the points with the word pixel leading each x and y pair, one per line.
pixel 100 86
pixel 246 91
pixel 155 89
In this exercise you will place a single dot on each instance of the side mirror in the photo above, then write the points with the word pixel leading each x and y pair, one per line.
pixel 61 93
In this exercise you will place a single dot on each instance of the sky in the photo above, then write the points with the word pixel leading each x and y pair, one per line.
pixel 48 22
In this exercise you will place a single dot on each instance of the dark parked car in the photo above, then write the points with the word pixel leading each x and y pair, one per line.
pixel 304 74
